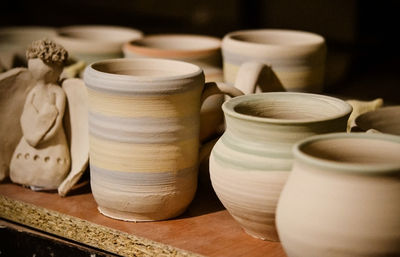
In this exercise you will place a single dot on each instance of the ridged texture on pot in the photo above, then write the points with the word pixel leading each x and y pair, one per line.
pixel 203 51
pixel 143 143
pixel 250 163
pixel 298 66
pixel 348 211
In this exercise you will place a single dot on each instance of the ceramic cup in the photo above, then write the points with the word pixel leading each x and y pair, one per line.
pixel 15 40
pixel 342 197
pixel 144 135
pixel 250 163
pixel 383 120
pixel 91 43
pixel 203 51
pixel 278 59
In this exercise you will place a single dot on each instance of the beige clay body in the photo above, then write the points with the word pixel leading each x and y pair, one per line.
pixel 41 159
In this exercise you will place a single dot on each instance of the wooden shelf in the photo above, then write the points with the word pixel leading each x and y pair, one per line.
pixel 206 228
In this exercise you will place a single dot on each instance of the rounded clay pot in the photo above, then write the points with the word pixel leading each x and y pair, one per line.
pixel 250 163
pixel 203 51
pixel 296 58
pixel 144 135
pixel 384 120
pixel 92 43
pixel 342 197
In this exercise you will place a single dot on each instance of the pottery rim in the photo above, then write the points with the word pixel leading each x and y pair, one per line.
pixel 238 38
pixel 142 46
pixel 229 107
pixel 118 82
pixel 360 168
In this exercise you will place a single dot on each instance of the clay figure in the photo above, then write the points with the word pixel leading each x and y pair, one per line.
pixel 41 159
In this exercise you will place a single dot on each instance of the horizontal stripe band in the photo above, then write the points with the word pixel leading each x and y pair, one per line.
pixel 162 105
pixel 142 182
pixel 128 157
pixel 143 129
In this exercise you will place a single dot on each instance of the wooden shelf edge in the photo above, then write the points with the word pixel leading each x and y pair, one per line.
pixel 85 232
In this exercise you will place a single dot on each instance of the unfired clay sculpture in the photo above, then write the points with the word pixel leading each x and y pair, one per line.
pixel 77 131
pixel 42 159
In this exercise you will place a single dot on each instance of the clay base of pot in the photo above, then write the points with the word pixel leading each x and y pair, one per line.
pixel 131 216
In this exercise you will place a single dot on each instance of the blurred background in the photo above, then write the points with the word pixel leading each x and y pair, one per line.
pixel 363 46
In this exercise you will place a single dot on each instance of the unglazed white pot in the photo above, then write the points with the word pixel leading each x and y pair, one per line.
pixel 203 51
pixel 90 43
pixel 290 60
pixel 144 135
pixel 250 163
pixel 342 197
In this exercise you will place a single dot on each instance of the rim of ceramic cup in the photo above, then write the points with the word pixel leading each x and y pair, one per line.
pixel 338 106
pixel 116 79
pixel 368 120
pixel 368 167
pixel 176 45
pixel 256 41
pixel 93 37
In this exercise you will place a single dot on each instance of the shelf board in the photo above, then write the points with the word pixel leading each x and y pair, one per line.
pixel 206 228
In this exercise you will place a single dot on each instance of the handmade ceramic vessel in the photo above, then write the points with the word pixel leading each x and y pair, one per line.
pixel 95 42
pixel 250 163
pixel 15 40
pixel 203 51
pixel 342 197
pixel 144 135
pixel 384 120
pixel 295 59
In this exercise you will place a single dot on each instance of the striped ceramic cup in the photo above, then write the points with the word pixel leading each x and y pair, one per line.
pixel 203 51
pixel 279 60
pixel 144 135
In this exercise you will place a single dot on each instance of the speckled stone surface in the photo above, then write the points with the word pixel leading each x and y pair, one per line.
pixel 85 232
